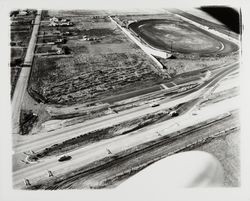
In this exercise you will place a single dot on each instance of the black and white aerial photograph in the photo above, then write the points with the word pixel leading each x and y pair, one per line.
pixel 124 99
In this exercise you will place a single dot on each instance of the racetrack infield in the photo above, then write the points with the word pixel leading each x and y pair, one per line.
pixel 183 37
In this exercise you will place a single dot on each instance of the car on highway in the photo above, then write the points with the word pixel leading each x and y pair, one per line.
pixel 155 104
pixel 173 113
pixel 64 158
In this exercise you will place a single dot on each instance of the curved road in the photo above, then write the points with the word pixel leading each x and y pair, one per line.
pixel 44 140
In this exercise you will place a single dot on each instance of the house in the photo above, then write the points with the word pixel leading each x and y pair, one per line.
pixel 23 12
pixel 66 24
pixel 60 41
pixel 53 24
pixel 54 19
pixel 56 32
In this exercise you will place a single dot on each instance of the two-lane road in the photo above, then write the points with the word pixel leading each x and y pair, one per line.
pixel 22 81
pixel 97 151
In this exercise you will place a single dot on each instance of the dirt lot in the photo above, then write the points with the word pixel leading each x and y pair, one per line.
pixel 182 65
pixel 102 63
pixel 21 37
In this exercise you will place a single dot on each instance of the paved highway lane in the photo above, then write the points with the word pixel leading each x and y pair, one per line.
pixel 44 140
pixel 18 97
pixel 96 151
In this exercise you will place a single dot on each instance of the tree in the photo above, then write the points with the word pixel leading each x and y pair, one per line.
pixel 66 50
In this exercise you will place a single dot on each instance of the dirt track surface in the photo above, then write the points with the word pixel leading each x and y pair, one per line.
pixel 183 37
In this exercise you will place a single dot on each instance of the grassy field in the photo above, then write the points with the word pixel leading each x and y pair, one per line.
pixel 22 37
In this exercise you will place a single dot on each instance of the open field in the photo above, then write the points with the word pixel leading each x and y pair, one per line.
pixel 103 67
pixel 182 65
pixel 88 77
pixel 20 38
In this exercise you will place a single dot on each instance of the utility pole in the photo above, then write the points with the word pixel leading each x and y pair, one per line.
pixel 159 134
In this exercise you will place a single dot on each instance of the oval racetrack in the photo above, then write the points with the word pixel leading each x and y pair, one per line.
pixel 180 37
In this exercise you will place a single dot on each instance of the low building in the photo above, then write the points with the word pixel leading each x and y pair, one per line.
pixel 23 12
pixel 54 19
pixel 53 24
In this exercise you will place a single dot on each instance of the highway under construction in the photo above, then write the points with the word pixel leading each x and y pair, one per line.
pixel 103 96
